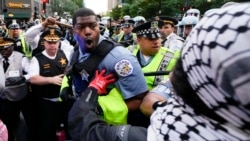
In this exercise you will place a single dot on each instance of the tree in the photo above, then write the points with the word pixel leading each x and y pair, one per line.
pixel 78 2
pixel 151 8
pixel 116 13
pixel 62 6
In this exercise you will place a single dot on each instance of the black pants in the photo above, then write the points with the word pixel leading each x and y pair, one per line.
pixel 10 114
pixel 51 115
pixel 137 118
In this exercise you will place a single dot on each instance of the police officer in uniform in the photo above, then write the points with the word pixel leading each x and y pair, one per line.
pixel 84 123
pixel 16 33
pixel 117 31
pixel 32 35
pixel 13 96
pixel 46 72
pixel 187 24
pixel 153 58
pixel 170 40
pixel 4 29
pixel 126 94
pixel 127 37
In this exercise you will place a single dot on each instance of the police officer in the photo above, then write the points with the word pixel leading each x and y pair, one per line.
pixel 127 37
pixel 126 94
pixel 153 59
pixel 187 24
pixel 117 31
pixel 103 30
pixel 46 72
pixel 4 29
pixel 32 35
pixel 84 123
pixel 170 40
pixel 13 97
pixel 18 35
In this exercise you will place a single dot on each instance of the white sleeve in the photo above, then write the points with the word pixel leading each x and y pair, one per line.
pixel 2 80
pixel 26 66
pixel 67 48
pixel 32 35
pixel 33 68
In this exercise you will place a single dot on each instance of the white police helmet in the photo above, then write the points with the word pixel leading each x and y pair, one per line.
pixel 189 20
pixel 139 20
pixel 193 12
pixel 126 17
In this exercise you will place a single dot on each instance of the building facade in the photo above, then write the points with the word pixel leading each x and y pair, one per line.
pixel 22 9
pixel 112 4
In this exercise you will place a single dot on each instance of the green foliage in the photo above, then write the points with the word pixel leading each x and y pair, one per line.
pixel 116 13
pixel 151 8
pixel 79 3
pixel 62 6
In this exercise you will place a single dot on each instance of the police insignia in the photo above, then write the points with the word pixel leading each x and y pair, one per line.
pixel 154 25
pixel 63 61
pixel 124 68
pixel 46 66
pixel 84 75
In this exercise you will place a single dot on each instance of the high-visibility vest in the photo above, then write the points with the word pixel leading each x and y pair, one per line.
pixel 121 35
pixel 114 108
pixel 164 60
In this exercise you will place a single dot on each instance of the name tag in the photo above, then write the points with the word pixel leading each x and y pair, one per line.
pixel 14 73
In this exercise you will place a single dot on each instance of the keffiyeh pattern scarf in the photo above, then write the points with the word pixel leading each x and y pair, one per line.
pixel 216 58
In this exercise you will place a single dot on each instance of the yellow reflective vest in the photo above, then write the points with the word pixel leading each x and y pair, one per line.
pixel 164 60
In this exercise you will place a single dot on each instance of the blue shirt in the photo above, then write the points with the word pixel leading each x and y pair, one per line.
pixel 164 88
pixel 121 62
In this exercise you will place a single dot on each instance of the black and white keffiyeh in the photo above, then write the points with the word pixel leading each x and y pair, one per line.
pixel 216 59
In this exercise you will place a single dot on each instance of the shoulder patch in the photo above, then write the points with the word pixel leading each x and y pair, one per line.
pixel 124 67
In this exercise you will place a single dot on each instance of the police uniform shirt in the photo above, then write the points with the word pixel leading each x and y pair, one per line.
pixel 127 36
pixel 34 68
pixel 2 80
pixel 131 80
pixel 32 35
pixel 15 64
pixel 174 42
pixel 164 88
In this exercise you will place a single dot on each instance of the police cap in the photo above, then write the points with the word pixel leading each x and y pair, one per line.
pixel 149 29
pixel 51 35
pixel 14 26
pixel 6 42
pixel 127 23
pixel 168 20
pixel 116 27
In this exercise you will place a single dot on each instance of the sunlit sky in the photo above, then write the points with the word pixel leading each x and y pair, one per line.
pixel 99 6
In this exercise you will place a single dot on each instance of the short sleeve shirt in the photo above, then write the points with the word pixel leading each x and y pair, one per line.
pixel 124 64
pixel 164 89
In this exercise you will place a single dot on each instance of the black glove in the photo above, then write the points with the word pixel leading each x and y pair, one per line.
pixel 67 94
